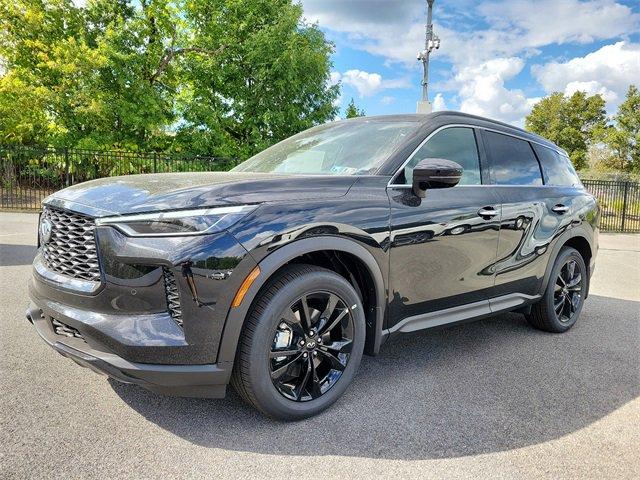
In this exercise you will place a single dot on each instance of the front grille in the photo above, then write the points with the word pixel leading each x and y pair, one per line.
pixel 173 296
pixel 71 249
pixel 65 330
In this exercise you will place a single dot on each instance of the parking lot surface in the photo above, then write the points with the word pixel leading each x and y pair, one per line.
pixel 489 399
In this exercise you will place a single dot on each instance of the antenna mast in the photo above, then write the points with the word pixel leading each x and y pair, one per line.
pixel 431 42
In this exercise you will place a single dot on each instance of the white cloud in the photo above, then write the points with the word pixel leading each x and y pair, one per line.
pixel 387 100
pixel 592 87
pixel 368 84
pixel 395 29
pixel 481 38
pixel 481 89
pixel 364 82
pixel 544 22
pixel 439 103
pixel 608 71
pixel 382 27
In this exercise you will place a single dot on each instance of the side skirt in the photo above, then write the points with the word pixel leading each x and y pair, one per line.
pixel 461 313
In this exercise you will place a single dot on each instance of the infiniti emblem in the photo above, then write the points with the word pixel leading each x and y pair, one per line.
pixel 311 344
pixel 45 230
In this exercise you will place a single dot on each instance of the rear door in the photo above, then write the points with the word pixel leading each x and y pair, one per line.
pixel 533 214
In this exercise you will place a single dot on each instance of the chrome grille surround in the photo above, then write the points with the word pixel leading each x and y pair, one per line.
pixel 71 250
pixel 173 296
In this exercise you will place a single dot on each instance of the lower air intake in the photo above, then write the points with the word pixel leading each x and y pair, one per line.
pixel 173 296
pixel 65 330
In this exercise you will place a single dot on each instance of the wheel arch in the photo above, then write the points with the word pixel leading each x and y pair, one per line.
pixel 341 253
pixel 576 238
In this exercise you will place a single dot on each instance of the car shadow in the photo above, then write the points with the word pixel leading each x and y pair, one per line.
pixel 14 255
pixel 481 387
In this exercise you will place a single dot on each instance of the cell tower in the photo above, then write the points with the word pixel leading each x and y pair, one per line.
pixel 431 42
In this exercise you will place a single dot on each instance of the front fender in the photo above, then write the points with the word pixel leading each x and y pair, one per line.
pixel 275 260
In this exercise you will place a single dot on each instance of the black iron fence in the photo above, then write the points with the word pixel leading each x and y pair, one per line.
pixel 619 204
pixel 29 174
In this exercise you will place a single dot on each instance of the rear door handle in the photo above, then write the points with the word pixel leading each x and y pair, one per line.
pixel 487 212
pixel 560 209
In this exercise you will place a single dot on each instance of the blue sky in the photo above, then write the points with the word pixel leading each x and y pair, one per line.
pixel 497 57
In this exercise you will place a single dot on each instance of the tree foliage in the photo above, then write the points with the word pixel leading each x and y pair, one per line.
pixel 623 136
pixel 572 123
pixel 352 111
pixel 272 80
pixel 222 77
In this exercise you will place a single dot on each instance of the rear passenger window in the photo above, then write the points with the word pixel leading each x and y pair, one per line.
pixel 557 168
pixel 457 144
pixel 512 160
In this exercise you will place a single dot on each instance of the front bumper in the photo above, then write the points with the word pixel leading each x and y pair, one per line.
pixel 154 317
pixel 181 380
pixel 158 300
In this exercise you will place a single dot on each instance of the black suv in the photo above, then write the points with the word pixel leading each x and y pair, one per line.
pixel 278 275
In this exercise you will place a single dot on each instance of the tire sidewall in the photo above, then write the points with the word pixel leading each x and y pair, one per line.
pixel 565 254
pixel 273 402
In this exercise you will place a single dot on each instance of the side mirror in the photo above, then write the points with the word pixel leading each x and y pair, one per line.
pixel 435 173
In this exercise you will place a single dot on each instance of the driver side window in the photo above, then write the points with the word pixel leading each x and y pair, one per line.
pixel 455 143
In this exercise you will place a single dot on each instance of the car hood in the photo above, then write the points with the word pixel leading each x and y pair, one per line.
pixel 171 191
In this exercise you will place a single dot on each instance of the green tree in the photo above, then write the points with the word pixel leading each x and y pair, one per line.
pixel 269 81
pixel 44 58
pixel 623 137
pixel 352 111
pixel 27 124
pixel 572 123
pixel 226 77
pixel 95 69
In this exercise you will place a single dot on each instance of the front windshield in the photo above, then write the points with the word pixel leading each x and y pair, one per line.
pixel 339 148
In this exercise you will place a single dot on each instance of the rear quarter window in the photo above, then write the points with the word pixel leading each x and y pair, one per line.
pixel 557 168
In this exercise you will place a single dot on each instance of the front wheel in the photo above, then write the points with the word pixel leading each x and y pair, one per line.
pixel 301 345
pixel 559 308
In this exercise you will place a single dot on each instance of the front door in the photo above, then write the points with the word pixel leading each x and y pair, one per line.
pixel 442 247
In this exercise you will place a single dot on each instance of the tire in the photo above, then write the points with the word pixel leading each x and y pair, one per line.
pixel 276 323
pixel 544 314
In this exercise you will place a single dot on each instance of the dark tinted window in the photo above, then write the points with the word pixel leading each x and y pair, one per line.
pixel 557 168
pixel 457 144
pixel 512 160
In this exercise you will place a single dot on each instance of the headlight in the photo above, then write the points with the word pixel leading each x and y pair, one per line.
pixel 178 223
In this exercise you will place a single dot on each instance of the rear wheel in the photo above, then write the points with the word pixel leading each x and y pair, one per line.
pixel 301 344
pixel 558 310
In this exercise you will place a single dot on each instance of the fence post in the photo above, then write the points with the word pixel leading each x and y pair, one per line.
pixel 624 204
pixel 67 179
pixel 155 162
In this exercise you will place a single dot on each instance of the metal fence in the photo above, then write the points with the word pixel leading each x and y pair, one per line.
pixel 29 174
pixel 619 204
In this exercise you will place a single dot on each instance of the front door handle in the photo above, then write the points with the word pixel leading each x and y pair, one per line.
pixel 560 209
pixel 487 212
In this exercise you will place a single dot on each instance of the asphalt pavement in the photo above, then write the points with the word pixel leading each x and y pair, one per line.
pixel 489 399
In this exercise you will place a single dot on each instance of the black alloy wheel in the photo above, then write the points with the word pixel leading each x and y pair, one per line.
pixel 311 346
pixel 301 344
pixel 567 296
pixel 559 307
